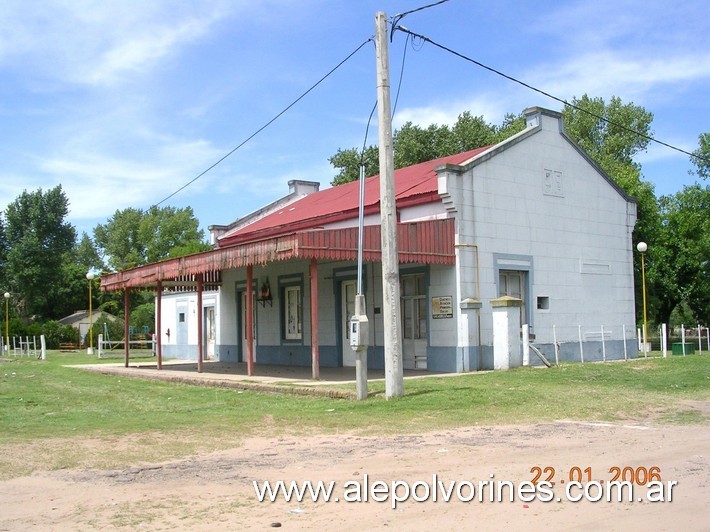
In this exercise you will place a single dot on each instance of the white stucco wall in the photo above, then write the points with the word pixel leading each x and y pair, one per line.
pixel 540 202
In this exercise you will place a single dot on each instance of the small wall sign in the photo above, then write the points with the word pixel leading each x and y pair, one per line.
pixel 442 307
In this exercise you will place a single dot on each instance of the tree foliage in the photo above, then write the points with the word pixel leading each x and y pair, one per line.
pixel 133 237
pixel 684 252
pixel 702 156
pixel 348 162
pixel 413 144
pixel 38 242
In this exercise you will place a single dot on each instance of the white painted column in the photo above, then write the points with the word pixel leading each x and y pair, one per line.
pixel 506 333
pixel 526 344
pixel 664 340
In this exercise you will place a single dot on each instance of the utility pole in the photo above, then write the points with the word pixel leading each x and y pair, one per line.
pixel 394 378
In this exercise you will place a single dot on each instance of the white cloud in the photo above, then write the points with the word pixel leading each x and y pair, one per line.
pixel 98 42
pixel 491 107
pixel 609 73
pixel 99 184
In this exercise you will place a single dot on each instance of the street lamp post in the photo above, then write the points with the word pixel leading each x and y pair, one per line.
pixel 90 350
pixel 642 247
pixel 7 328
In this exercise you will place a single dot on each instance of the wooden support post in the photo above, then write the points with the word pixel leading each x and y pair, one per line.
pixel 315 360
pixel 249 321
pixel 126 325
pixel 199 323
pixel 158 324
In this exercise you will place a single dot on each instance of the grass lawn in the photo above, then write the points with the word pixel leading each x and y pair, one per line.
pixel 45 405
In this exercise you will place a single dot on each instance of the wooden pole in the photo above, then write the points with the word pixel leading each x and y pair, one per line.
pixel 158 324
pixel 199 323
pixel 315 356
pixel 249 320
pixel 394 377
pixel 126 325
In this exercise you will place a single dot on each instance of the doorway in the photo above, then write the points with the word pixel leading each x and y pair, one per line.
pixel 181 321
pixel 414 321
pixel 211 332
pixel 512 283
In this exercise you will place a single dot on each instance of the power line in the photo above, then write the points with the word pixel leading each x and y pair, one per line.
pixel 394 108
pixel 540 91
pixel 267 124
pixel 400 16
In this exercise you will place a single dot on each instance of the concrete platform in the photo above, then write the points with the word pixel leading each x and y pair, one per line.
pixel 267 378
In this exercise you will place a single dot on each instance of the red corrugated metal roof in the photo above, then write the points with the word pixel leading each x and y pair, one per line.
pixel 417 183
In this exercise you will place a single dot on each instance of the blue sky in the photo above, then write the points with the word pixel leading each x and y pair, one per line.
pixel 123 102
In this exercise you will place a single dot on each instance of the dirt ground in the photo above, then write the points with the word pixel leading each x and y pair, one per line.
pixel 215 491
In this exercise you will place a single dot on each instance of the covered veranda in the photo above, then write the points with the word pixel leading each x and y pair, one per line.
pixel 426 242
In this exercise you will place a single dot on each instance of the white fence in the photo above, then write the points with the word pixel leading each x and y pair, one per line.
pixel 599 343
pixel 21 346
pixel 686 345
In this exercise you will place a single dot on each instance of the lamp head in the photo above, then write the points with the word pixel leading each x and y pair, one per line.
pixel 90 276
pixel 7 295
pixel 642 247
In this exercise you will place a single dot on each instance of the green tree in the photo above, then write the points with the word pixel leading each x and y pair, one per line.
pixel 413 144
pixel 685 250
pixel 347 162
pixel 133 237
pixel 118 240
pixel 3 257
pixel 702 156
pixel 86 255
pixel 511 125
pixel 38 244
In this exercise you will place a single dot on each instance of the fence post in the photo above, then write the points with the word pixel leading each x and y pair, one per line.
pixel 101 344
pixel 43 347
pixel 603 346
pixel 700 340
pixel 526 344
pixel 682 337
pixel 623 334
pixel 664 340
pixel 581 344
pixel 554 339
pixel 638 333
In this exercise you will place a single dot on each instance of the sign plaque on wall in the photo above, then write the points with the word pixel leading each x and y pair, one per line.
pixel 442 307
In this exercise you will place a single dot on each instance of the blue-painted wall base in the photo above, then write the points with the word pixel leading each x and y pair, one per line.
pixel 445 359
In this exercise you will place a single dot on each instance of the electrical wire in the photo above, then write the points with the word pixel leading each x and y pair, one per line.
pixel 401 75
pixel 547 94
pixel 367 129
pixel 267 124
pixel 394 109
pixel 400 16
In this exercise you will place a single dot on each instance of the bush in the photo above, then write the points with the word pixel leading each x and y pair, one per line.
pixel 55 333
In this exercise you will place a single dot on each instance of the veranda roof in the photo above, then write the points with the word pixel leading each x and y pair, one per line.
pixel 426 242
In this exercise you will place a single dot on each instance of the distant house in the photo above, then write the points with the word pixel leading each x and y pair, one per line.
pixel 80 320
pixel 532 217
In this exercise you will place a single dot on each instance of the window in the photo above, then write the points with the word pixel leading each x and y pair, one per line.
pixel 414 306
pixel 293 319
pixel 181 317
pixel 543 303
